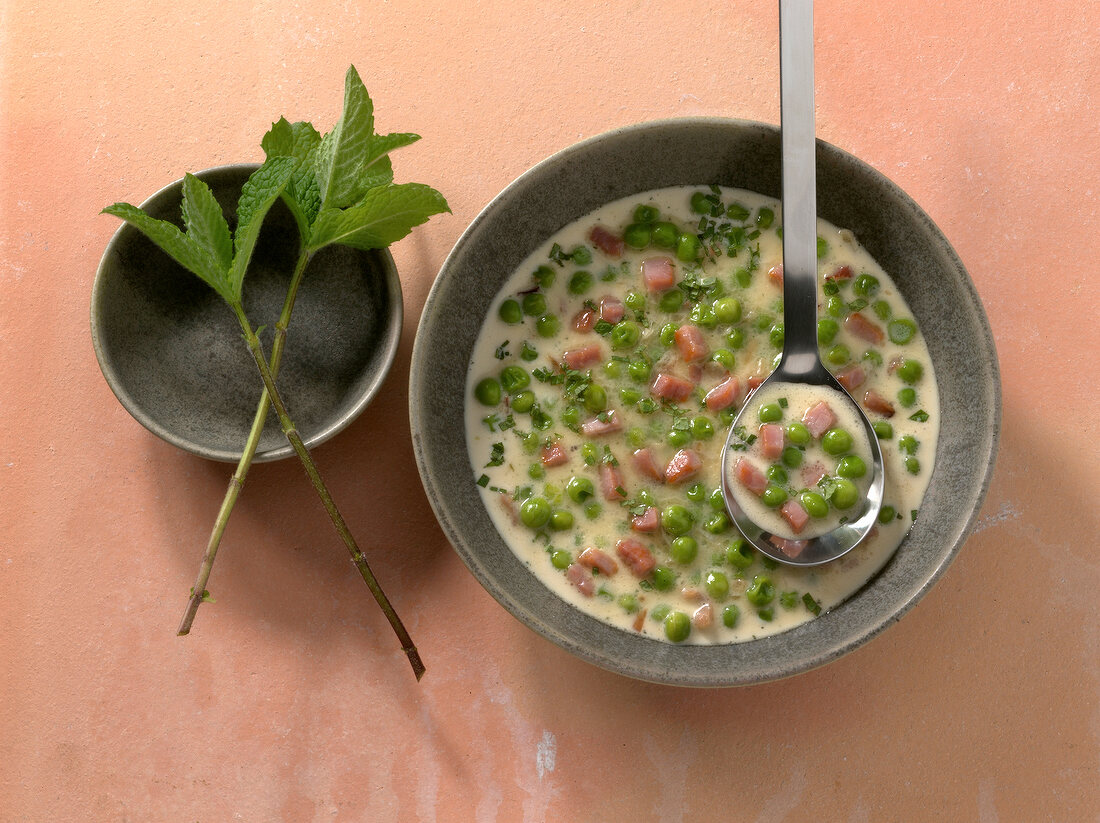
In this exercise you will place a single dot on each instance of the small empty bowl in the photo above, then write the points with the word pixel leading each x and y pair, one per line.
pixel 172 351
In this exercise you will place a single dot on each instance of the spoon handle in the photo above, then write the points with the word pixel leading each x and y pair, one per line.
pixel 796 76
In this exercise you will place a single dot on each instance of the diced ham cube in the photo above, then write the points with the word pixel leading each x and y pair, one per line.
pixel 812 474
pixel 752 384
pixel 580 577
pixel 863 328
pixel 585 320
pixel 658 274
pixel 771 440
pixel 554 455
pixel 670 387
pixel 611 482
pixel 873 401
pixel 683 465
pixel 611 309
pixel 795 516
pixel 842 273
pixel 593 558
pixel 851 377
pixel 636 556
pixel 597 427
pixel 819 418
pixel 775 275
pixel 606 241
pixel 691 343
pixel 647 521
pixel 724 394
pixel 750 476
pixel 703 617
pixel 584 356
pixel 646 465
pixel 791 548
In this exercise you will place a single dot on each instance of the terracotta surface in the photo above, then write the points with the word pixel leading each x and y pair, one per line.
pixel 290 699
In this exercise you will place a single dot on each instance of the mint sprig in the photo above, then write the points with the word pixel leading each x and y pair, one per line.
pixel 340 189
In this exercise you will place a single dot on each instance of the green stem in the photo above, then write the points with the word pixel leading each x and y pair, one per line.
pixel 342 529
pixel 236 482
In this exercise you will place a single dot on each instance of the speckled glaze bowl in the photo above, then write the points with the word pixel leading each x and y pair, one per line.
pixel 744 155
pixel 171 350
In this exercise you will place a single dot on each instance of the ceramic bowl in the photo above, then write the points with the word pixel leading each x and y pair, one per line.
pixel 743 155
pixel 172 352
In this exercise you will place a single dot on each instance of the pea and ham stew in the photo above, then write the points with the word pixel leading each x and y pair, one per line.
pixel 606 377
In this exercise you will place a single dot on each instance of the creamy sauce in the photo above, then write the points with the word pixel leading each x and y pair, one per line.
pixel 539 448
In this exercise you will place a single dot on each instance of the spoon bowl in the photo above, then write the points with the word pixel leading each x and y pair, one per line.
pixel 800 362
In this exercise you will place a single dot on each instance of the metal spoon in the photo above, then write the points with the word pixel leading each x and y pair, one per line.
pixel 800 362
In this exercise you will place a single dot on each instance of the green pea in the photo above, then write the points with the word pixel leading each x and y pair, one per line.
pixel 886 514
pixel 679 437
pixel 535 512
pixel 671 301
pixel 739 554
pixel 901 331
pixel 510 312
pixel 697 492
pixel 838 355
pixel 883 429
pixel 908 444
pixel 730 614
pixel 724 358
pixel 664 234
pixel 702 428
pixel 528 352
pixel 536 471
pixel 639 370
pixel 523 402
pixel 592 510
pixel 765 217
pixel 851 466
pixel 659 612
pixel 667 335
pixel 514 379
pixel 580 282
pixel 629 396
pixel 736 211
pixel 775 335
pixel 579 489
pixel 792 457
pixel 703 315
pixel 638 235
pixel 625 334
pixel 548 325
pixel 676 520
pixel 636 437
pixel 545 276
pixel 634 300
pixel 701 203
pixel 716 523
pixel 561 520
pixel 907 397
pixel 683 549
pixel 687 247
pixel 595 398
pixel 774 496
pixel 571 417
pixel 727 309
pixel 770 413
pixel 814 504
pixel 872 356
pixel 882 309
pixel 645 213
pixel 777 474
pixel 827 329
pixel 743 277
pixel 531 442
pixel 735 338
pixel 664 578
pixel 629 603
pixel 912 465
pixel 534 304
pixel 865 285
pixel 717 585
pixel 582 255
pixel 910 371
pixel 797 433
pixel 761 592
pixel 561 559
pixel 488 391
pixel 845 494
pixel 835 306
pixel 677 626
pixel 836 442
pixel 613 369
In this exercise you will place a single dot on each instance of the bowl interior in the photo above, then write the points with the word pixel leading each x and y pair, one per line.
pixel 744 155
pixel 172 351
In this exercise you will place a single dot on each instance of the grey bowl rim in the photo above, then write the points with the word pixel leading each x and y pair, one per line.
pixel 855 639
pixel 388 352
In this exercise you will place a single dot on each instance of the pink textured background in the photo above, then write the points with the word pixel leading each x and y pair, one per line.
pixel 290 700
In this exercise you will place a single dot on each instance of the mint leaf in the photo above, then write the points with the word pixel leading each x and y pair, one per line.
pixel 385 215
pixel 339 156
pixel 205 222
pixel 177 245
pixel 300 141
pixel 257 196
